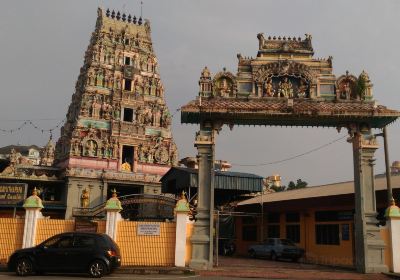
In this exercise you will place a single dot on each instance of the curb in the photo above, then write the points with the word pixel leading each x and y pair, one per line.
pixel 392 275
pixel 154 270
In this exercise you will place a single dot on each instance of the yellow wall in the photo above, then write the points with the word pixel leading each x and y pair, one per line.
pixel 385 234
pixel 11 234
pixel 326 254
pixel 101 226
pixel 49 227
pixel 141 250
pixel 189 232
pixel 341 255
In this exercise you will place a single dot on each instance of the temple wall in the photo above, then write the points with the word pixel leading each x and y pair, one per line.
pixel 146 250
pixel 11 234
pixel 48 227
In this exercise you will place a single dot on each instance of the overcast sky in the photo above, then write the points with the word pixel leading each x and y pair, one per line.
pixel 43 44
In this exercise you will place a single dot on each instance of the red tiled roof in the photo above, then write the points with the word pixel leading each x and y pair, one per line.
pixel 303 106
pixel 271 110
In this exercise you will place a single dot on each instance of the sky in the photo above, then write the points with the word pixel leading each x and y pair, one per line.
pixel 43 44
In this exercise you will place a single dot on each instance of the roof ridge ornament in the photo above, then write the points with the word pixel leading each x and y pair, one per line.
pixel 285 44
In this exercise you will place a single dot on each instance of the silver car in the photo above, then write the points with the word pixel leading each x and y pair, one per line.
pixel 275 248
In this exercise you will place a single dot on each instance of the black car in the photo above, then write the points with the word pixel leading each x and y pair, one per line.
pixel 96 254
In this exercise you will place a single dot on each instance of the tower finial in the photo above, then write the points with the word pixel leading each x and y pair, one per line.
pixel 141 9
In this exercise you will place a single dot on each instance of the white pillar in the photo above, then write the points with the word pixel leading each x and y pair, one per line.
pixel 181 214
pixel 113 217
pixel 33 205
pixel 113 207
pixel 393 222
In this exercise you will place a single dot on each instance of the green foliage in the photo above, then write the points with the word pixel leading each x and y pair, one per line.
pixel 298 185
pixel 361 86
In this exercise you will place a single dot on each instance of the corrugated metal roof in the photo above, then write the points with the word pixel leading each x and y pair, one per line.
pixel 225 180
pixel 319 191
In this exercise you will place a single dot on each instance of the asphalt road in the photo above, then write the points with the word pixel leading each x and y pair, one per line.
pixel 12 276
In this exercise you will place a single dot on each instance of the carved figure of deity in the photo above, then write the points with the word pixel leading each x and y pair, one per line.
pixel 301 92
pixel 85 107
pixel 107 110
pixel 106 148
pixel 165 118
pixel 77 148
pixel 117 111
pixel 346 91
pixel 147 116
pixel 96 106
pixel 126 166
pixel 115 149
pixel 156 116
pixel 285 88
pixel 269 89
pixel 85 198
pixel 91 148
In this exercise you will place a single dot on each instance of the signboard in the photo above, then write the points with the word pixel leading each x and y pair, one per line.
pixel 149 229
pixel 12 193
pixel 85 226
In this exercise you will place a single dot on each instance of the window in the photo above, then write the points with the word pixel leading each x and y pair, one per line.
pixel 65 242
pixel 274 231
pixel 127 60
pixel 292 217
pixel 84 242
pixel 128 115
pixel 327 234
pixel 293 233
pixel 126 41
pixel 128 84
pixel 332 216
pixel 273 217
pixel 249 229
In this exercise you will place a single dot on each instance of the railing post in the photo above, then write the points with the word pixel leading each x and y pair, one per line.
pixel 33 205
pixel 393 221
pixel 181 215
pixel 112 208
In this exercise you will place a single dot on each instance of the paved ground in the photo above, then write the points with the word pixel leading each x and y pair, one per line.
pixel 260 268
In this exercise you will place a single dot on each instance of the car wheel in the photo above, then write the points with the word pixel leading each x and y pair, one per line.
pixel 24 267
pixel 252 254
pixel 274 257
pixel 97 269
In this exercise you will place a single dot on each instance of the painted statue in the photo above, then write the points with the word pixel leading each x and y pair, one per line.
pixel 85 198
pixel 269 90
pixel 285 88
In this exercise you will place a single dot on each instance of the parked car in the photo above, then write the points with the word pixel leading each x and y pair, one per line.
pixel 275 248
pixel 96 254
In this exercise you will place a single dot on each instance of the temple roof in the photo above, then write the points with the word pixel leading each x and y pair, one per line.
pixel 279 111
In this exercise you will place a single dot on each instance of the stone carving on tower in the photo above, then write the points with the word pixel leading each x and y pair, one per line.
pixel 285 68
pixel 118 113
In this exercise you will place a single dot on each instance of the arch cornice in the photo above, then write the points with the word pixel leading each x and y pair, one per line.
pixel 283 68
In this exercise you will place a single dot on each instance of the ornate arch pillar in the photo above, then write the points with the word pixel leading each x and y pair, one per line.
pixel 202 238
pixel 369 247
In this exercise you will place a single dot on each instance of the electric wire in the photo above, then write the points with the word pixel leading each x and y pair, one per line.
pixel 293 157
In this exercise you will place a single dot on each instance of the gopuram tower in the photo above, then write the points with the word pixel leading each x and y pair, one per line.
pixel 117 132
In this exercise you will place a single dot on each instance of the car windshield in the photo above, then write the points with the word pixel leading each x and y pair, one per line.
pixel 287 242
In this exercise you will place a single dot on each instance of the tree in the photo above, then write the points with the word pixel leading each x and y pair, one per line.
pixel 298 185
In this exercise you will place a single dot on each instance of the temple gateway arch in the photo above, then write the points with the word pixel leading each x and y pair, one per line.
pixel 286 86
